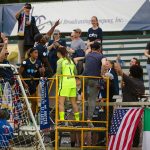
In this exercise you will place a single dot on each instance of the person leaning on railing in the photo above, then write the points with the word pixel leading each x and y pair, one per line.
pixel 67 84
pixel 133 86
pixel 32 68
pixel 132 89
pixel 93 64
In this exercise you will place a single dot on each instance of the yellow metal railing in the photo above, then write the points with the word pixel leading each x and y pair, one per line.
pixel 82 129
pixel 82 119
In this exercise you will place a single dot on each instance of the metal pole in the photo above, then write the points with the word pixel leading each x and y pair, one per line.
pixel 56 116
pixel 107 112
pixel 83 99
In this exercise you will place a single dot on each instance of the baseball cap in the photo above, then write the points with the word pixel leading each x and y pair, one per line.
pixel 77 30
pixel 28 6
pixel 38 37
pixel 56 31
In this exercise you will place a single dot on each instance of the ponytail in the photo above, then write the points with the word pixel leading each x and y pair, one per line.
pixel 64 53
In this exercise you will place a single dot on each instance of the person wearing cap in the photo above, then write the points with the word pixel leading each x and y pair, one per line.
pixel 53 45
pixel 26 30
pixel 32 68
pixel 77 48
pixel 6 131
pixel 77 43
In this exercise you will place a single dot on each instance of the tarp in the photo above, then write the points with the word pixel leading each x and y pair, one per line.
pixel 1 10
pixel 9 20
pixel 113 15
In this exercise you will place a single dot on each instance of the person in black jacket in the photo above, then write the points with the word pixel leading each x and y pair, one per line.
pixel 26 30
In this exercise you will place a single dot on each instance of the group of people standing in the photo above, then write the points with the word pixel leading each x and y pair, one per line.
pixel 47 57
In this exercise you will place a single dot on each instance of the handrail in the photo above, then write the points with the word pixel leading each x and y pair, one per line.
pixel 125 104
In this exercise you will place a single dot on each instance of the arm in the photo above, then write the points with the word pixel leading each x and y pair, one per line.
pixel 104 60
pixel 118 69
pixel 3 36
pixel 89 43
pixel 19 12
pixel 146 53
pixel 59 67
pixel 100 37
pixel 50 47
pixel 4 50
pixel 50 32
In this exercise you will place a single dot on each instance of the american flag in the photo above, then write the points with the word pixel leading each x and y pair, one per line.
pixel 123 127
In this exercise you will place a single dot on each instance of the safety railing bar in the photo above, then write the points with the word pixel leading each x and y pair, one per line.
pixel 37 78
pixel 38 97
pixel 81 128
pixel 95 146
pixel 84 121
pixel 125 104
pixel 79 76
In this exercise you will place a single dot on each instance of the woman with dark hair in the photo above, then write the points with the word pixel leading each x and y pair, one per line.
pixel 67 83
pixel 32 68
pixel 95 33
pixel 52 47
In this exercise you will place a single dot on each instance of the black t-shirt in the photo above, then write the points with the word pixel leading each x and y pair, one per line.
pixel 52 55
pixel 94 35
pixel 132 89
pixel 148 48
pixel 30 30
pixel 42 51
pixel 43 57
pixel 31 69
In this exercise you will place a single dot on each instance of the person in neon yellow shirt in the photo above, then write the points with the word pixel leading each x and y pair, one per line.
pixel 67 84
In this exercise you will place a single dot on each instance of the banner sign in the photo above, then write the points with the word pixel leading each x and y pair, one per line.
pixel 44 111
pixel 113 15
